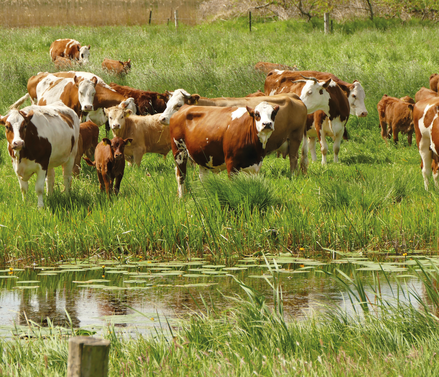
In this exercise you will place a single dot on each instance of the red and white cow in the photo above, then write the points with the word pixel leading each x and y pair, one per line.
pixel 148 133
pixel 41 138
pixel 116 67
pixel 219 138
pixel 395 116
pixel 426 122
pixel 110 163
pixel 325 95
pixel 76 93
pixel 87 142
pixel 147 102
pixel 290 119
pixel 266 67
pixel 70 49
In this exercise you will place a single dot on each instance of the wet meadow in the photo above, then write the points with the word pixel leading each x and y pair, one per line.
pixel 274 274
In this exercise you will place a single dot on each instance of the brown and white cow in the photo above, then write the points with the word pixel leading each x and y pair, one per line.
pixel 266 67
pixel 87 142
pixel 325 95
pixel 116 67
pixel 290 119
pixel 219 138
pixel 426 123
pixel 147 102
pixel 70 49
pixel 434 82
pixel 41 138
pixel 395 116
pixel 110 163
pixel 425 93
pixel 148 133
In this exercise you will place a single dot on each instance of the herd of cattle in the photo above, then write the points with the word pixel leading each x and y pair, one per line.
pixel 234 134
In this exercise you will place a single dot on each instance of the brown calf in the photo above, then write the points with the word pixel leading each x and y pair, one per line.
pixel 87 142
pixel 395 116
pixel 110 163
pixel 116 66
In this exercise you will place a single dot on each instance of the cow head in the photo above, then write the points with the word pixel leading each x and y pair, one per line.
pixel 314 94
pixel 178 98
pixel 84 54
pixel 126 65
pixel 116 117
pixel 117 145
pixel 263 116
pixel 86 92
pixel 16 124
pixel 356 100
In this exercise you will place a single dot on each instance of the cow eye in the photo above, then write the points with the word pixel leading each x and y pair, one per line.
pixel 321 91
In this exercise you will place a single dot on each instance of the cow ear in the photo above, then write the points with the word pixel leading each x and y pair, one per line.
pixel 250 111
pixel 106 141
pixel 76 79
pixel 94 80
pixel 275 110
pixel 2 120
pixel 128 112
pixel 106 111
pixel 327 82
pixel 27 117
pixel 411 106
pixel 195 98
pixel 78 47
pixel 128 141
pixel 88 47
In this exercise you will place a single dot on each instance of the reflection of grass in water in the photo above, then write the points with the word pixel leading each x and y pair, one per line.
pixel 253 338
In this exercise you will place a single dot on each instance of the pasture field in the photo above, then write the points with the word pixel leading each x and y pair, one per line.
pixel 373 200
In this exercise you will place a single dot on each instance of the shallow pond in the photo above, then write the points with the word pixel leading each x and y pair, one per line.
pixel 140 296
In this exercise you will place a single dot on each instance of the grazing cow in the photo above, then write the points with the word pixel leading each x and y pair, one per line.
pixel 434 82
pixel 395 116
pixel 425 93
pixel 290 119
pixel 268 67
pixel 147 102
pixel 88 139
pixel 148 133
pixel 76 93
pixel 41 138
pixel 426 123
pixel 70 49
pixel 325 95
pixel 110 163
pixel 63 63
pixel 116 66
pixel 218 138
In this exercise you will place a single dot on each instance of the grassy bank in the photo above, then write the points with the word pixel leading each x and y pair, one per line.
pixel 373 199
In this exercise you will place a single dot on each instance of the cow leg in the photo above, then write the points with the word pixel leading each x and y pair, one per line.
pixel 101 182
pixel 304 159
pixel 425 152
pixel 138 158
pixel 50 180
pixel 67 174
pixel 409 137
pixel 323 146
pixel 336 146
pixel 395 136
pixel 108 182
pixel 39 185
pixel 180 156
pixel 118 180
pixel 312 148
pixel 23 187
pixel 384 133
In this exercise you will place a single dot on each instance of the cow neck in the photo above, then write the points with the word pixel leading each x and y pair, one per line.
pixel 105 97
pixel 338 104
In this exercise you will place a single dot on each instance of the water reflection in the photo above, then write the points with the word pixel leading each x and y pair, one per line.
pixel 140 298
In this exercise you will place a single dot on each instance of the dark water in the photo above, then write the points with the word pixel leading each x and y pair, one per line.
pixel 139 298
pixel 30 13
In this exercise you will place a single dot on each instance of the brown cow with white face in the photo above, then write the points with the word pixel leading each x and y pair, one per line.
pixel 116 67
pixel 395 116
pixel 110 163
pixel 41 138
pixel 70 49
pixel 219 138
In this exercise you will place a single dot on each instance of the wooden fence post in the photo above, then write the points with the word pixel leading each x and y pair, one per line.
pixel 176 19
pixel 250 20
pixel 88 357
pixel 150 16
pixel 326 22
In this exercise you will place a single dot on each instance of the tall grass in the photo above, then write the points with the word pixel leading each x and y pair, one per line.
pixel 373 199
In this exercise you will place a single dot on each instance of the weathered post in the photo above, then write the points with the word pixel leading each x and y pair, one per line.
pixel 176 19
pixel 326 22
pixel 88 357
pixel 250 20
pixel 150 16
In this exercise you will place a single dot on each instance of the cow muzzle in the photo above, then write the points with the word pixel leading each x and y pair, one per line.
pixel 115 127
pixel 87 108
pixel 268 126
pixel 164 120
pixel 118 156
pixel 17 145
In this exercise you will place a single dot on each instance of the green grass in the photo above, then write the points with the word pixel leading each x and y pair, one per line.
pixel 372 200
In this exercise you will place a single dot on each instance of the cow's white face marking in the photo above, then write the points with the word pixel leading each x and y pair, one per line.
pixel 15 119
pixel 264 120
pixel 356 100
pixel 315 96
pixel 86 94
pixel 173 105
pixel 84 54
